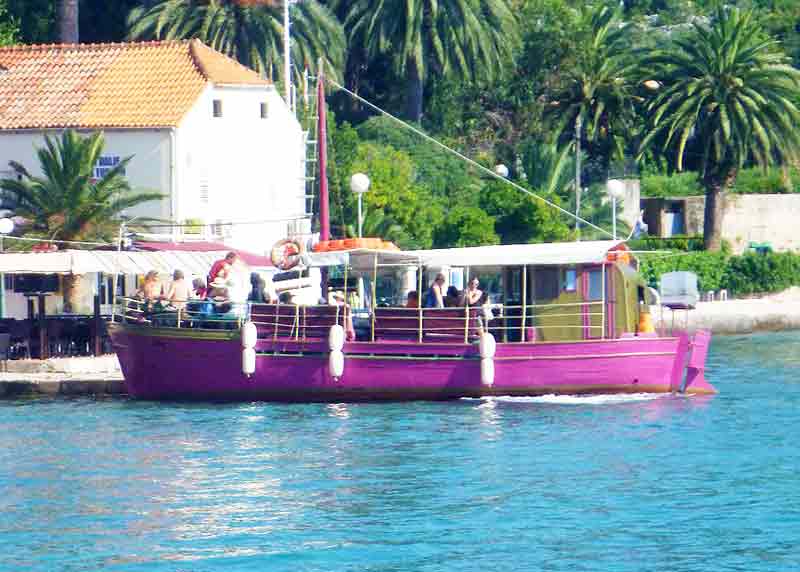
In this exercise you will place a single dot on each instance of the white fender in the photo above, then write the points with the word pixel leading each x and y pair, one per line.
pixel 336 363
pixel 488 345
pixel 336 338
pixel 248 361
pixel 249 335
pixel 487 372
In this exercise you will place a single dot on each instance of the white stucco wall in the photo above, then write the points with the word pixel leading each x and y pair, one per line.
pixel 241 168
pixel 147 171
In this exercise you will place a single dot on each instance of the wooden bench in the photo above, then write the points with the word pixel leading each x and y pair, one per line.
pixel 293 321
pixel 438 324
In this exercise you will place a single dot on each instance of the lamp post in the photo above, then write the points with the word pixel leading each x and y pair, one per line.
pixel 6 227
pixel 359 184
pixel 616 190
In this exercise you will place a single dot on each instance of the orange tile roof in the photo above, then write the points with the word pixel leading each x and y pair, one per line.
pixel 144 84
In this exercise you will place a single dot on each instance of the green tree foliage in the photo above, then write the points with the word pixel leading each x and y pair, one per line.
pixel 9 26
pixel 376 224
pixel 251 32
pixel 466 226
pixel 66 203
pixel 468 38
pixel 597 93
pixel 394 191
pixel 520 218
pixel 37 19
pixel 437 170
pixel 731 89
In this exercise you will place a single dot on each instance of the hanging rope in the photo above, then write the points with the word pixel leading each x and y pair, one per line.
pixel 467 159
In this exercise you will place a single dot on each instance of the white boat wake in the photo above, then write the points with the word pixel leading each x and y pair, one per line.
pixel 575 399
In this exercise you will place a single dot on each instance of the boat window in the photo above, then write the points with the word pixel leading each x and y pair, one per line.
pixel 595 285
pixel 547 284
pixel 570 280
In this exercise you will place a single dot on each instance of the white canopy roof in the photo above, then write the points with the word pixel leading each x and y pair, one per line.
pixel 544 254
pixel 107 261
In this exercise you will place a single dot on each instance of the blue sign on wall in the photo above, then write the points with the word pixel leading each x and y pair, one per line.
pixel 104 164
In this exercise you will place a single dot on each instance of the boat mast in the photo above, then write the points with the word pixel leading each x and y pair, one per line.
pixel 322 144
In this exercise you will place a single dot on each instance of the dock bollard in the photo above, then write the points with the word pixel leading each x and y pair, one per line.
pixel 336 337
pixel 249 335
pixel 488 347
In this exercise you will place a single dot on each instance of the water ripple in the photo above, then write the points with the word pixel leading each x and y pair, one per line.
pixel 608 483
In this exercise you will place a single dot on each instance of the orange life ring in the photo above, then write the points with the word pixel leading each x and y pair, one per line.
pixel 286 253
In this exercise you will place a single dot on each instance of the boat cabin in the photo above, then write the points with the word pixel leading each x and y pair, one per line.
pixel 550 292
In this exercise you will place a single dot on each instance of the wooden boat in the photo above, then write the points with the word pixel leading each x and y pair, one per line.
pixel 565 318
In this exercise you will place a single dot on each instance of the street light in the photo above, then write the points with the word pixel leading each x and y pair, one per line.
pixel 6 227
pixel 359 184
pixel 616 190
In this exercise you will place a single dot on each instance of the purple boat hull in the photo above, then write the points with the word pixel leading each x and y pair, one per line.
pixel 185 364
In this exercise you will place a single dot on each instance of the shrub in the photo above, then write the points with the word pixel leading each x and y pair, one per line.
pixel 750 273
pixel 758 181
pixel 709 267
pixel 675 185
pixel 754 273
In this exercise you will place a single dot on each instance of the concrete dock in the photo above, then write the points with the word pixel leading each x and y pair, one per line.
pixel 62 376
pixel 776 312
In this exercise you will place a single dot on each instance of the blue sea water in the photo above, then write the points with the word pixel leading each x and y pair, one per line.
pixel 639 483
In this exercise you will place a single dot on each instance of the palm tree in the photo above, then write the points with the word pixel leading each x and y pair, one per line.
pixel 66 202
pixel 729 89
pixel 68 21
pixel 595 100
pixel 469 38
pixel 250 31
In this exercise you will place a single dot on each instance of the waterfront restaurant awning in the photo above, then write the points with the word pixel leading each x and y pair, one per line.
pixel 107 261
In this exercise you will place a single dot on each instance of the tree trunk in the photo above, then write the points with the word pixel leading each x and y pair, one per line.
pixel 716 185
pixel 71 292
pixel 68 21
pixel 414 85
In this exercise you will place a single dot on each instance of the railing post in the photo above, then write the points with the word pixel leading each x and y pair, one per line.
pixel 522 327
pixel 374 291
pixel 603 302
pixel 419 299
pixel 178 323
pixel 466 324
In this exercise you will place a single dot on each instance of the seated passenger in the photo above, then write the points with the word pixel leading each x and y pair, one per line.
pixel 199 290
pixel 472 295
pixel 413 300
pixel 434 296
pixel 453 298
pixel 178 291
pixel 150 291
pixel 257 289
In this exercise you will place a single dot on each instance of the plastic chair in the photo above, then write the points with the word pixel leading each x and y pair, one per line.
pixel 20 331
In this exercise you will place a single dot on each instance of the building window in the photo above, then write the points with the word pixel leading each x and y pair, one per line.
pixel 570 280
pixel 546 283
pixel 595 278
pixel 217 108
pixel 264 110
